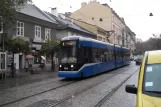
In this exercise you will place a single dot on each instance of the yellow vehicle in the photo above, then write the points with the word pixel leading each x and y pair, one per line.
pixel 149 82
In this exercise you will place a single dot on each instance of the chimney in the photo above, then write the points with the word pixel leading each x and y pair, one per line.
pixel 83 4
pixel 54 11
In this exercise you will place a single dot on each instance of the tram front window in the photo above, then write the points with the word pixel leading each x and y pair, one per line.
pixel 68 53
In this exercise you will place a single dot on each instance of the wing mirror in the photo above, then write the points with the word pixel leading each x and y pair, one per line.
pixel 131 89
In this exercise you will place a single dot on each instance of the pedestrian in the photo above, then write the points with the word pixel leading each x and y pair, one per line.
pixel 26 65
pixel 42 63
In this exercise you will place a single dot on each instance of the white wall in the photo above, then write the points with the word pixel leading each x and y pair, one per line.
pixel 16 60
pixel 61 34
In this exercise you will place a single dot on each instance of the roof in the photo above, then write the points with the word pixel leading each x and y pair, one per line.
pixel 154 57
pixel 94 41
pixel 34 11
pixel 69 24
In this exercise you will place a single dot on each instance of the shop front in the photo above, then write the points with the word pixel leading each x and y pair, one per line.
pixel 36 53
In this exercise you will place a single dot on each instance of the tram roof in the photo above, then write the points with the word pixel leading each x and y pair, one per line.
pixel 85 39
pixel 90 40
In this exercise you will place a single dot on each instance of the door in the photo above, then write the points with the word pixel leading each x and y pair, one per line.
pixel 2 61
pixel 20 62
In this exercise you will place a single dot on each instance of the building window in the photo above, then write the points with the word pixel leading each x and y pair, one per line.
pixel 47 33
pixel 37 32
pixel 101 33
pixel 99 38
pixel 20 28
pixel 114 27
pixel 112 17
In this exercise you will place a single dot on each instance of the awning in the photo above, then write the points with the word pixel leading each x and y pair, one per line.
pixel 43 57
pixel 29 56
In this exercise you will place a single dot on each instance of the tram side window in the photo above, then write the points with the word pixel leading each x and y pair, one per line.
pixel 118 55
pixel 94 55
pixel 126 55
pixel 113 55
pixel 86 54
pixel 106 53
pixel 101 54
pixel 109 54
pixel 83 55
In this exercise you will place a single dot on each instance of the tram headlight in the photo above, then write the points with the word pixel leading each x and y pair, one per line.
pixel 60 66
pixel 72 66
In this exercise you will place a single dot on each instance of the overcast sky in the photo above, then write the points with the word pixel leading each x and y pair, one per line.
pixel 135 12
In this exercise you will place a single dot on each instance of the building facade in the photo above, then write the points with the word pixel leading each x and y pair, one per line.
pixel 101 34
pixel 103 16
pixel 34 26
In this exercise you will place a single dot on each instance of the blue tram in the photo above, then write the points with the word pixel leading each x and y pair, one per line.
pixel 83 57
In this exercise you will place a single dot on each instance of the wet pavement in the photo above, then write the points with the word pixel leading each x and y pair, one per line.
pixel 24 78
pixel 122 99
pixel 48 92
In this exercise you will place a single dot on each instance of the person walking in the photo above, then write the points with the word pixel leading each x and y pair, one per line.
pixel 26 65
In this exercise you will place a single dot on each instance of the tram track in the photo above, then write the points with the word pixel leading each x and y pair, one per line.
pixel 64 99
pixel 1 105
pixel 113 91
pixel 91 86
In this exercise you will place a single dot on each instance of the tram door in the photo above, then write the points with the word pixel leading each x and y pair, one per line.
pixel 2 61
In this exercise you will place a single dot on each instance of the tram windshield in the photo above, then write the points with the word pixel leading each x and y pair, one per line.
pixel 68 52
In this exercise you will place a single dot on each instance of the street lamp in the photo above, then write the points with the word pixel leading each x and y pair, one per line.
pixel 151 14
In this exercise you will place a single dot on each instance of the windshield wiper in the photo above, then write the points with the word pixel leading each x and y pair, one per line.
pixel 158 92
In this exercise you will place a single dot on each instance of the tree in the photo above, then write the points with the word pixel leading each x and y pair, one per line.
pixel 151 44
pixel 8 10
pixel 17 45
pixel 49 48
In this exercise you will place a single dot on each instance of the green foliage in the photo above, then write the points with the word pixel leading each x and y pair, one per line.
pixel 8 10
pixel 3 38
pixel 17 45
pixel 48 47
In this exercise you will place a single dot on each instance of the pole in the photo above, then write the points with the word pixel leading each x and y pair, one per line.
pixel 3 56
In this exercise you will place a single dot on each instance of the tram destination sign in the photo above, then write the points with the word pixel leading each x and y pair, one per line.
pixel 68 43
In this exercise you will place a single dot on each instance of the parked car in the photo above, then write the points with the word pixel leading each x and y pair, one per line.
pixel 138 60
pixel 148 91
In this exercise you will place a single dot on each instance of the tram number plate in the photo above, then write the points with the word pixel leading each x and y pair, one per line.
pixel 65 68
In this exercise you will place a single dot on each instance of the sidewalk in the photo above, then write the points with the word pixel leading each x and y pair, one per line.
pixel 25 78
